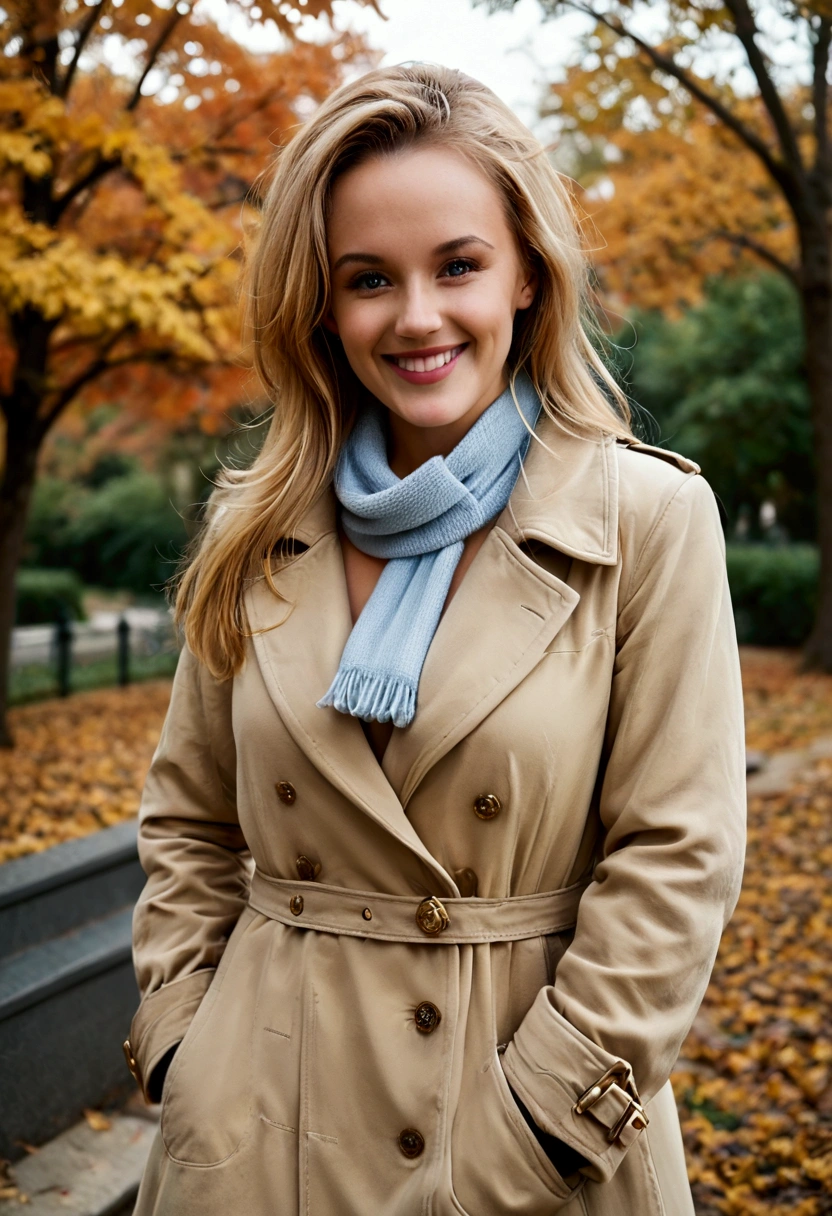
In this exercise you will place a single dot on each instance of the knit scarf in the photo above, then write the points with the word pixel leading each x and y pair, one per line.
pixel 419 523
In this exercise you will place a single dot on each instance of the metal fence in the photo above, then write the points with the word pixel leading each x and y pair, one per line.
pixel 111 648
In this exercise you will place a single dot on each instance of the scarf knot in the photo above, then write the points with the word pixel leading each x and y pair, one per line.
pixel 419 523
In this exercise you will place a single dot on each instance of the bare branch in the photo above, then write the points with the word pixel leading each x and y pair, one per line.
pixel 99 169
pixel 746 30
pixel 97 368
pixel 742 241
pixel 85 30
pixel 165 33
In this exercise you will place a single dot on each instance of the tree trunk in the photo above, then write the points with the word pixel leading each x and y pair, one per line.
pixel 22 444
pixel 25 431
pixel 816 295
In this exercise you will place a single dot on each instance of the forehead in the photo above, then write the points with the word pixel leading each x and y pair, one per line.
pixel 422 195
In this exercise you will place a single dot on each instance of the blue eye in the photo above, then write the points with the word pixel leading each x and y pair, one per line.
pixel 459 267
pixel 369 280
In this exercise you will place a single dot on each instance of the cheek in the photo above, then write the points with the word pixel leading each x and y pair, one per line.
pixel 488 316
pixel 359 328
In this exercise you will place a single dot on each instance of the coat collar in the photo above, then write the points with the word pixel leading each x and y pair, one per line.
pixel 566 497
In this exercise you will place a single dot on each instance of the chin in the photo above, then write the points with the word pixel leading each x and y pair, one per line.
pixel 430 415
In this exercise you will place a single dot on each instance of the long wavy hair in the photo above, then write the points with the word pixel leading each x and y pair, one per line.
pixel 285 296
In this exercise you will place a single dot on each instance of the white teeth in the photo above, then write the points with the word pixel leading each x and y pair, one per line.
pixel 429 364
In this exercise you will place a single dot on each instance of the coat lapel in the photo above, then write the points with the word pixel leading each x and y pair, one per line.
pixel 495 630
pixel 298 642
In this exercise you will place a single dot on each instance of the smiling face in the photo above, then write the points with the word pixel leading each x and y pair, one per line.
pixel 426 278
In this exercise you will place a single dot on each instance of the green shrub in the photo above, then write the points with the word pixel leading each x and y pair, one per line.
pixel 127 534
pixel 41 596
pixel 774 592
pixel 123 534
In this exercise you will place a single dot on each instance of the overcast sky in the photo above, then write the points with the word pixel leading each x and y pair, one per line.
pixel 512 52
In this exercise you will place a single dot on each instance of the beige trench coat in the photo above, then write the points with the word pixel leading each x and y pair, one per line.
pixel 342 1014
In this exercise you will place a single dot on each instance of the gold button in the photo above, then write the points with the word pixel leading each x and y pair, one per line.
pixel 467 882
pixel 486 806
pixel 367 914
pixel 131 1061
pixel 431 916
pixel 308 870
pixel 286 792
pixel 411 1142
pixel 427 1017
pixel 296 905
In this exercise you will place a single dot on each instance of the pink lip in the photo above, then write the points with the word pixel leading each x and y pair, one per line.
pixel 438 373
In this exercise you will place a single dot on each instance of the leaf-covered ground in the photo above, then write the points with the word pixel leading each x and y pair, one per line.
pixel 78 766
pixel 784 707
pixel 754 1081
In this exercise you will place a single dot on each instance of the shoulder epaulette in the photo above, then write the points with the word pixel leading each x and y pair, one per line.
pixel 681 462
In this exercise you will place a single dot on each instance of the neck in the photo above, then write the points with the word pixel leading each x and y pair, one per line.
pixel 410 445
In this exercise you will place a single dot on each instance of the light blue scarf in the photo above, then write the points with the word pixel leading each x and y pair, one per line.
pixel 419 523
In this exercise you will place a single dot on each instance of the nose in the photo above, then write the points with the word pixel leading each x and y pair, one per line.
pixel 419 314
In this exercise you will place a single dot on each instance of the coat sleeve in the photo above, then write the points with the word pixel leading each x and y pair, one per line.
pixel 195 857
pixel 672 807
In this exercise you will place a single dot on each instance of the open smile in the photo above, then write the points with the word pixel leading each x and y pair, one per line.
pixel 426 366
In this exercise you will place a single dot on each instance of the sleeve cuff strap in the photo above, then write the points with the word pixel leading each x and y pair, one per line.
pixel 161 1021
pixel 574 1089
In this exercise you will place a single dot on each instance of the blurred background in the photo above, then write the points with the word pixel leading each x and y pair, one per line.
pixel 696 141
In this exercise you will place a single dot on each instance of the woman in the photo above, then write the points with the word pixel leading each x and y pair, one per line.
pixel 447 814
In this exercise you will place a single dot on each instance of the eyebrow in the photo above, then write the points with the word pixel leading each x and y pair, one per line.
pixel 373 259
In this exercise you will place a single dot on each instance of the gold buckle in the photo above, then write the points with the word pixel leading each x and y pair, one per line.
pixel 639 1123
pixel 622 1075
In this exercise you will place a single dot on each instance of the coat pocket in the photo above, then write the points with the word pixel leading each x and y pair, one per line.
pixel 206 1096
pixel 497 1164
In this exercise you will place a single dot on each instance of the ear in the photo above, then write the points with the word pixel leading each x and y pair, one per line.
pixel 329 322
pixel 528 289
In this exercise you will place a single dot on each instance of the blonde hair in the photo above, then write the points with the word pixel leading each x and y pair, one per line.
pixel 285 293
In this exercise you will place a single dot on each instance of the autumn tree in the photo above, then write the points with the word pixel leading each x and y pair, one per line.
pixel 131 133
pixel 718 155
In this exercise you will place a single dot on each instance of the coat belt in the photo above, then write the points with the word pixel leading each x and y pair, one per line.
pixel 407 918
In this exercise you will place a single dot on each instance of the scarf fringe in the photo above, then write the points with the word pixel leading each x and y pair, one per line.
pixel 373 697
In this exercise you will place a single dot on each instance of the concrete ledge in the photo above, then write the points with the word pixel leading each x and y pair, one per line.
pixel 67 988
pixel 83 1172
pixel 47 894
